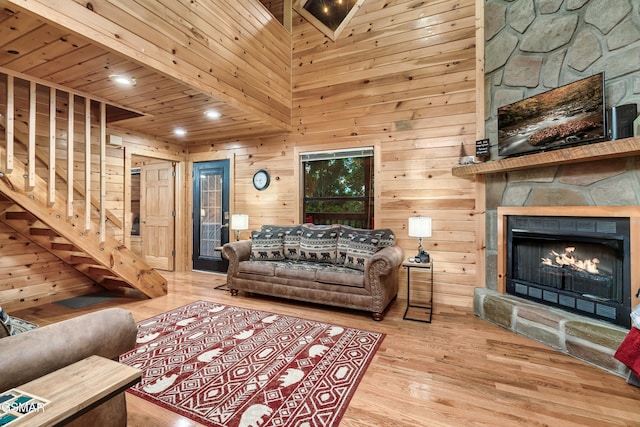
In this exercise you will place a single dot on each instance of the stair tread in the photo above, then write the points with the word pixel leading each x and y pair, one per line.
pixel 19 215
pixel 62 246
pixel 39 231
pixel 42 228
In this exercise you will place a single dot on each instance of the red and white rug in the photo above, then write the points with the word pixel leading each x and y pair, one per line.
pixel 229 366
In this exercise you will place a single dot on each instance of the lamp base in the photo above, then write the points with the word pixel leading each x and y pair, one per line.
pixel 422 257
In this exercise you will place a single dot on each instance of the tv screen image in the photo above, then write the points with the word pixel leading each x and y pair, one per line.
pixel 568 115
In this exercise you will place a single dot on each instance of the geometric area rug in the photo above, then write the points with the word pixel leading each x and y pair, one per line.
pixel 228 366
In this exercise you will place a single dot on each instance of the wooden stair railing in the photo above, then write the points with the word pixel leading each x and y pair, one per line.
pixel 109 263
pixel 20 134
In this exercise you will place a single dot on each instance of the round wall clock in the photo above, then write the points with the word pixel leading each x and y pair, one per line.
pixel 261 179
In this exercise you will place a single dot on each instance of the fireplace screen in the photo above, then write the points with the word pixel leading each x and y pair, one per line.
pixel 572 263
pixel 586 268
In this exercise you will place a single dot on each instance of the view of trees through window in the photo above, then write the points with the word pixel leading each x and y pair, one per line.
pixel 339 191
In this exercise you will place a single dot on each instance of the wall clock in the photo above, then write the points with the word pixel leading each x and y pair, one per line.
pixel 261 179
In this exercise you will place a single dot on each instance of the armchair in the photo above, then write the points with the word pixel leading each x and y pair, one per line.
pixel 32 354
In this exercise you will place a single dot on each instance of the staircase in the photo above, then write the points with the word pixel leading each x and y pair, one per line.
pixel 102 258
pixel 72 226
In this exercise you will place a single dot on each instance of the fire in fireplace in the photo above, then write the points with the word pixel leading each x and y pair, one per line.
pixel 579 264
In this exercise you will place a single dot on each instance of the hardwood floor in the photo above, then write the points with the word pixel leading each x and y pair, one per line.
pixel 457 371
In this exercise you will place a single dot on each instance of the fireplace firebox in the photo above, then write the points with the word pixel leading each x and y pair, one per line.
pixel 579 264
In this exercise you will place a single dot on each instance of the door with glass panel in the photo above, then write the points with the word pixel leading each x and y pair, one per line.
pixel 210 214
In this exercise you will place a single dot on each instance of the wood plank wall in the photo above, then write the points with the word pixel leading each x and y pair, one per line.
pixel 30 276
pixel 400 78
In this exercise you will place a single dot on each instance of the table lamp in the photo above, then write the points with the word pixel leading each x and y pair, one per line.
pixel 239 222
pixel 420 226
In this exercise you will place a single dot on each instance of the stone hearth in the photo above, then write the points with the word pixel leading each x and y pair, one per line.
pixel 590 340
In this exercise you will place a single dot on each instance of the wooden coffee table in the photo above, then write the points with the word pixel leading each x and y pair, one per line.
pixel 77 388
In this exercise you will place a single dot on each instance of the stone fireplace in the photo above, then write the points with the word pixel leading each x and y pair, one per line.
pixel 569 312
pixel 531 47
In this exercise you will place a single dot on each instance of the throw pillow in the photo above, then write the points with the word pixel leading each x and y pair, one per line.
pixel 346 234
pixel 361 248
pixel 278 229
pixel 386 236
pixel 12 325
pixel 5 323
pixel 291 238
pixel 267 246
pixel 318 244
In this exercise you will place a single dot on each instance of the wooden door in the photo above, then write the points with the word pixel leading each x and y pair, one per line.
pixel 157 215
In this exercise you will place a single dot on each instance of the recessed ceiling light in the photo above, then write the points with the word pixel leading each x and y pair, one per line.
pixel 212 114
pixel 179 132
pixel 123 80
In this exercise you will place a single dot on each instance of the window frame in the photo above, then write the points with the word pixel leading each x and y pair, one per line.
pixel 135 171
pixel 299 6
pixel 299 154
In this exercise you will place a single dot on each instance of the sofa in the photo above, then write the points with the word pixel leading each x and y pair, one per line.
pixel 29 355
pixel 335 265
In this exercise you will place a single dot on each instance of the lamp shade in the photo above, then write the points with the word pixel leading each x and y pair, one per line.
pixel 419 226
pixel 239 222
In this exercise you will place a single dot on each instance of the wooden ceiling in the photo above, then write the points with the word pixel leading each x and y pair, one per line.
pixel 33 49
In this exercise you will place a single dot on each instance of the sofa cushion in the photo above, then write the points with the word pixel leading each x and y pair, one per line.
pixel 319 244
pixel 297 270
pixel 267 246
pixel 291 238
pixel 361 248
pixel 320 272
pixel 308 271
pixel 262 268
pixel 340 275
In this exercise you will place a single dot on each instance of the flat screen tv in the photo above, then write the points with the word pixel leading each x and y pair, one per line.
pixel 568 115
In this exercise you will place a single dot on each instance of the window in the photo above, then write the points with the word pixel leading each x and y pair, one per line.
pixel 329 16
pixel 135 202
pixel 338 187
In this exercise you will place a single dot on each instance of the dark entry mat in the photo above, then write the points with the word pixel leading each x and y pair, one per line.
pixel 86 300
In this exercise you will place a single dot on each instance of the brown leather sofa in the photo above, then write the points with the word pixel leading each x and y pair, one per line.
pixel 32 354
pixel 369 283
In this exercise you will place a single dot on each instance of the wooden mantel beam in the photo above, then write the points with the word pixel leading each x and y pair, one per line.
pixel 582 153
